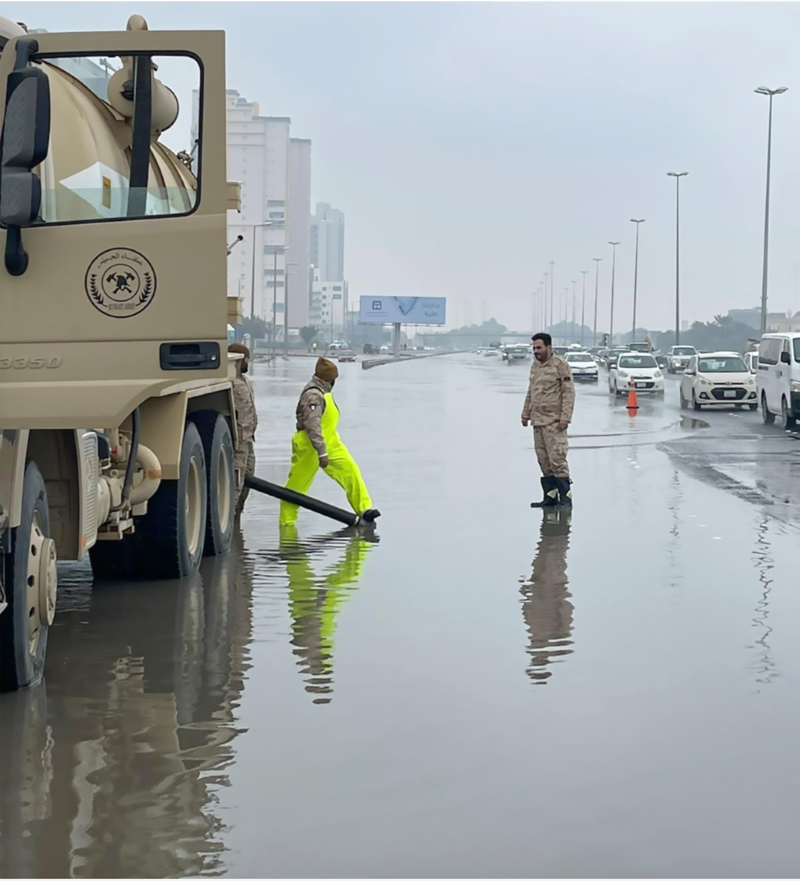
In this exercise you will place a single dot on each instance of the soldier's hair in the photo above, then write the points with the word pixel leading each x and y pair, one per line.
pixel 544 337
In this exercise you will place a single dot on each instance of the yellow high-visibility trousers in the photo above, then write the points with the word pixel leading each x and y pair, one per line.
pixel 341 466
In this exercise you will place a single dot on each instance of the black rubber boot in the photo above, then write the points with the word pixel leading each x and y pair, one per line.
pixel 550 493
pixel 564 491
pixel 370 515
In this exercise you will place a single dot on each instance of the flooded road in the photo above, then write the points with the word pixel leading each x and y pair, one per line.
pixel 476 690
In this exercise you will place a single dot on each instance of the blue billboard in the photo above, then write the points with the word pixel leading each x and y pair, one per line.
pixel 402 310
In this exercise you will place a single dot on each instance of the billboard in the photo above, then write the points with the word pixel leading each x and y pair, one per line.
pixel 402 310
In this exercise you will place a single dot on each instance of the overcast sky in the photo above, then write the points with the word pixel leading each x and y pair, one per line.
pixel 471 143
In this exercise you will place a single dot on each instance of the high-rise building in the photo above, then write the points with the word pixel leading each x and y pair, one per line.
pixel 327 242
pixel 299 290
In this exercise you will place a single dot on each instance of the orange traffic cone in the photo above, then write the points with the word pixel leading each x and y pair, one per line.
pixel 633 401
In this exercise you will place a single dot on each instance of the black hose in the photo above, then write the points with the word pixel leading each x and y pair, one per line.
pixel 295 498
pixel 130 468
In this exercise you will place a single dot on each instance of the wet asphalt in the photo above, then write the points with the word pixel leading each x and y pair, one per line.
pixel 475 690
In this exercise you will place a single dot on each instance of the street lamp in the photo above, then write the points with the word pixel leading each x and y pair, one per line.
pixel 253 269
pixel 544 298
pixel 583 304
pixel 552 314
pixel 572 331
pixel 763 90
pixel 677 175
pixel 613 276
pixel 286 307
pixel 635 277
pixel 596 285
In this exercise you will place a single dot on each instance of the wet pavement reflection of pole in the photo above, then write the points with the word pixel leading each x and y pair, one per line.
pixel 546 604
pixel 109 770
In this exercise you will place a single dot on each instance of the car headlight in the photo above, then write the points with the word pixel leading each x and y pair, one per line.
pixel 623 374
pixel 703 381
pixel 658 374
pixel 794 385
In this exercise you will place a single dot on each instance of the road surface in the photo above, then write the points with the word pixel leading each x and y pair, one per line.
pixel 478 693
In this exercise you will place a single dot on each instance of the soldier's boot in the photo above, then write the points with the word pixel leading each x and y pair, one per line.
pixel 550 493
pixel 564 491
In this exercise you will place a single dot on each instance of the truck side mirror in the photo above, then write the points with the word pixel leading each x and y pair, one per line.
pixel 785 358
pixel 24 143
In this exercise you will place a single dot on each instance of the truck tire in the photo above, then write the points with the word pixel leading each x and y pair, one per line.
pixel 171 536
pixel 215 434
pixel 30 585
pixel 114 560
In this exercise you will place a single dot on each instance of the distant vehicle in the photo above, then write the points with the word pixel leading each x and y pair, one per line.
pixel 678 357
pixel 640 347
pixel 751 360
pixel 778 378
pixel 575 347
pixel 347 355
pixel 637 370
pixel 583 366
pixel 718 379
pixel 560 350
pixel 516 353
pixel 613 355
pixel 384 349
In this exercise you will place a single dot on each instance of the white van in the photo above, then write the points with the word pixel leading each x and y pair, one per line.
pixel 778 378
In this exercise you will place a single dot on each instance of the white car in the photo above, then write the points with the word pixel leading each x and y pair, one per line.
pixel 636 370
pixel 583 366
pixel 678 357
pixel 718 379
pixel 778 378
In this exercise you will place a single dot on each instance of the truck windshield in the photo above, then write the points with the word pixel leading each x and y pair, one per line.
pixel 797 349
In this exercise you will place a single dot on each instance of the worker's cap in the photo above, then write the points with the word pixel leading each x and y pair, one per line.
pixel 326 370
pixel 239 349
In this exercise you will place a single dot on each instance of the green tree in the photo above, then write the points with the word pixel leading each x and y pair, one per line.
pixel 307 334
pixel 256 327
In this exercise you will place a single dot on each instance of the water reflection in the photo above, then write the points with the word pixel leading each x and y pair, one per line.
pixel 765 665
pixel 110 769
pixel 546 604
pixel 315 600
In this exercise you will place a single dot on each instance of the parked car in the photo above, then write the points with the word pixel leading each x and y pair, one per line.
pixel 678 357
pixel 717 379
pixel 583 366
pixel 778 378
pixel 636 370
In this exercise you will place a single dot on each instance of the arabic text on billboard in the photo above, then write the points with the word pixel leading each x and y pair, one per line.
pixel 402 310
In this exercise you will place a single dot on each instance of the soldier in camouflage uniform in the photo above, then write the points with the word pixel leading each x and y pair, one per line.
pixel 244 456
pixel 316 444
pixel 548 407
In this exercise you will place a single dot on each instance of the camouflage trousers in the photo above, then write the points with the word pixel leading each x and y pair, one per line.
pixel 244 462
pixel 551 447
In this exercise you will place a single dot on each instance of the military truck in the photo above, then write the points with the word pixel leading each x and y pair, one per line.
pixel 117 423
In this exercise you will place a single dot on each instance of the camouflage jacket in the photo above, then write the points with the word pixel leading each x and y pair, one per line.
pixel 551 393
pixel 245 403
pixel 310 408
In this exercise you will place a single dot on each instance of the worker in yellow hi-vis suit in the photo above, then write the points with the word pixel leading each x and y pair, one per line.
pixel 316 444
pixel 315 601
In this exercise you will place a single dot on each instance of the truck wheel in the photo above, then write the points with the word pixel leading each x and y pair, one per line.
pixel 30 585
pixel 766 415
pixel 218 448
pixel 171 536
pixel 787 420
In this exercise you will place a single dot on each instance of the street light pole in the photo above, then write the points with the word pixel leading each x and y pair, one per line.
pixel 596 285
pixel 635 277
pixel 763 90
pixel 677 175
pixel 583 305
pixel 544 299
pixel 572 331
pixel 613 276
pixel 552 313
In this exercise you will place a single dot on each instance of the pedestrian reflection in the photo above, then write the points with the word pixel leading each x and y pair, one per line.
pixel 315 600
pixel 112 771
pixel 546 604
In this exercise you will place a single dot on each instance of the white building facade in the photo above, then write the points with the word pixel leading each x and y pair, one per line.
pixel 299 233
pixel 327 242
pixel 328 307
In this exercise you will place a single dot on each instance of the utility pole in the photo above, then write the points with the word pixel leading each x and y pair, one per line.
pixel 583 305
pixel 572 331
pixel 544 327
pixel 677 175
pixel 613 276
pixel 635 277
pixel 596 285
pixel 552 313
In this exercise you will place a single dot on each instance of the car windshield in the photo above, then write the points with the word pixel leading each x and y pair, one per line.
pixel 722 364
pixel 683 350
pixel 637 361
pixel 583 356
pixel 797 349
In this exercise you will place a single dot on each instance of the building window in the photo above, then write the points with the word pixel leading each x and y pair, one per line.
pixel 274 272
pixel 276 203
pixel 337 287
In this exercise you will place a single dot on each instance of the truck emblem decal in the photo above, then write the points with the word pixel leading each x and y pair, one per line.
pixel 120 283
